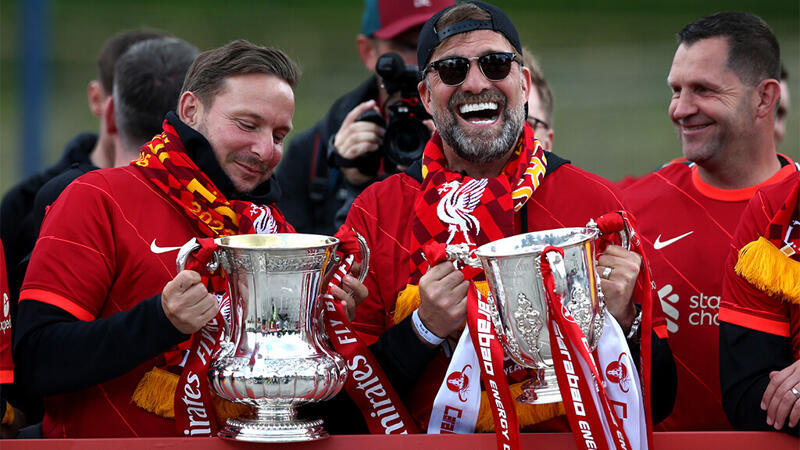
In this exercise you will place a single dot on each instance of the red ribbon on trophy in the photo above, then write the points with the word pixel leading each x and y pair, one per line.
pixel 367 384
pixel 579 381
pixel 609 225
pixel 490 355
pixel 194 409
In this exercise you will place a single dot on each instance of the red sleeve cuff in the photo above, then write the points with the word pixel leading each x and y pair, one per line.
pixel 6 376
pixel 745 318
pixel 58 301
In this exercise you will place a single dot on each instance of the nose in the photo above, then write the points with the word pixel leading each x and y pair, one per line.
pixel 266 149
pixel 475 82
pixel 682 107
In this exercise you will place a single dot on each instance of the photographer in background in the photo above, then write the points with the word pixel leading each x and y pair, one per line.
pixel 328 165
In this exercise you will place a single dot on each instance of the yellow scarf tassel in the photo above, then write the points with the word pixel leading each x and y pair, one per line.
pixel 156 393
pixel 770 270
pixel 527 414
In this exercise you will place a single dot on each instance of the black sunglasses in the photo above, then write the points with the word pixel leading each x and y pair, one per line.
pixel 494 66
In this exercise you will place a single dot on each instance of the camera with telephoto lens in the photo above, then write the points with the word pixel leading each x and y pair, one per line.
pixel 406 135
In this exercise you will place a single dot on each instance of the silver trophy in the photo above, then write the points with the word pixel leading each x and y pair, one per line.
pixel 518 303
pixel 274 353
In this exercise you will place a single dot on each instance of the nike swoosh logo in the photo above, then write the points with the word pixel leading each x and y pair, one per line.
pixel 659 244
pixel 156 249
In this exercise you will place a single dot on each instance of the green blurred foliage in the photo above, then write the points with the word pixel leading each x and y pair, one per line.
pixel 606 61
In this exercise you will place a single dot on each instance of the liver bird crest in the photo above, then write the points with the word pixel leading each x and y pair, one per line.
pixel 456 206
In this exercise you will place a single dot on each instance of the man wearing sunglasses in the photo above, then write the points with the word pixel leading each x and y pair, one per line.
pixel 466 190
pixel 326 166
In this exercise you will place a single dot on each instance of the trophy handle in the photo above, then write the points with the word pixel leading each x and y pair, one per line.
pixel 620 226
pixel 365 252
pixel 184 254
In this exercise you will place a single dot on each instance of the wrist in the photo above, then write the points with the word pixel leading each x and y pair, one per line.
pixel 423 332
pixel 633 329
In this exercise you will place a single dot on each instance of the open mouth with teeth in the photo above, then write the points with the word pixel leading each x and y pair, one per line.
pixel 483 113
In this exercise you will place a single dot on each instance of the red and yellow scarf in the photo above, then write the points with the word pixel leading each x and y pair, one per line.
pixel 164 162
pixel 452 208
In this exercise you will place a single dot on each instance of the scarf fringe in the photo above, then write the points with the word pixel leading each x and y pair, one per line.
pixel 768 269
pixel 155 393
pixel 527 414
pixel 407 301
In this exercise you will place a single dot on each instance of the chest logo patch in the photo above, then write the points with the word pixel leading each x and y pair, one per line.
pixel 659 244
pixel 157 250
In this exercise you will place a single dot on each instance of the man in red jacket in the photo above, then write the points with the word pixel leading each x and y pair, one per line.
pixel 476 89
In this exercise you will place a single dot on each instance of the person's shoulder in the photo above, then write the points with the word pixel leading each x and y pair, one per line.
pixel 778 191
pixel 55 186
pixel 668 172
pixel 580 180
pixel 659 182
pixel 390 189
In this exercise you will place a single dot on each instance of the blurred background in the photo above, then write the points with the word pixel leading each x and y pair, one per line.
pixel 607 62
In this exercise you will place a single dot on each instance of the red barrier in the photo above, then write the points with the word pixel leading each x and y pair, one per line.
pixel 663 441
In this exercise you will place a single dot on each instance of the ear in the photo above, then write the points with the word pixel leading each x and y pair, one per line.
pixel 525 75
pixel 548 142
pixel 367 52
pixel 190 108
pixel 109 117
pixel 768 94
pixel 96 97
pixel 425 94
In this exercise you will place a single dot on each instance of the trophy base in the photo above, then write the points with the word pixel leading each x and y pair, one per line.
pixel 252 430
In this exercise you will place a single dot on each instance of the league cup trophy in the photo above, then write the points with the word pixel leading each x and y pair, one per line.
pixel 274 353
pixel 518 302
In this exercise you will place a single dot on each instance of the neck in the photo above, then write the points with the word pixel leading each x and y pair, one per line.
pixel 742 168
pixel 475 170
pixel 102 154
pixel 123 156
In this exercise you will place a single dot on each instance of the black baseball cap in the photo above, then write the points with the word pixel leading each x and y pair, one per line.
pixel 430 37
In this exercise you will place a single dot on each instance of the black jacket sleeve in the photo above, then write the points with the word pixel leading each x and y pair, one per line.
pixel 663 376
pixel 746 357
pixel 54 352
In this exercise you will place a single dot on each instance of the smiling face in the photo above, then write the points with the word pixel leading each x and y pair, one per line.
pixel 245 123
pixel 711 108
pixel 479 120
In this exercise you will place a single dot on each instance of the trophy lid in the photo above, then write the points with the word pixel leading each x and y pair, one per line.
pixel 278 241
pixel 534 242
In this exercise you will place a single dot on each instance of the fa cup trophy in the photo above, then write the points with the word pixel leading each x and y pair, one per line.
pixel 274 353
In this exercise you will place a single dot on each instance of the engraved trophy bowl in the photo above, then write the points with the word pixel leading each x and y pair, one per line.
pixel 274 354
pixel 517 299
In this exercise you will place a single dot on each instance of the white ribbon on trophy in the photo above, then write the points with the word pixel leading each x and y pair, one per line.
pixel 456 406
pixel 622 382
